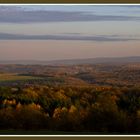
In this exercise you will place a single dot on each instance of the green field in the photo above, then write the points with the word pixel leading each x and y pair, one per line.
pixel 4 77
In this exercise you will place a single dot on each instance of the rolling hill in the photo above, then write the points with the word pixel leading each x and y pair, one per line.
pixel 98 60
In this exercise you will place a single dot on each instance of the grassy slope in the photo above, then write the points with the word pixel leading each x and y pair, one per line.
pixel 14 77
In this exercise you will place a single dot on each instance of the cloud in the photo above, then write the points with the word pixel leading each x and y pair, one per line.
pixel 101 38
pixel 17 15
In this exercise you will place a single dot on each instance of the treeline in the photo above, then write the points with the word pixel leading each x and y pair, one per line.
pixel 95 109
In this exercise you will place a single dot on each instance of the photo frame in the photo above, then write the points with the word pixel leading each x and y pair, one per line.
pixel 70 136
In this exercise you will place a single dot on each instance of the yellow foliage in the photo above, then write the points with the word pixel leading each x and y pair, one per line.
pixel 31 93
pixel 64 109
pixel 18 106
pixel 57 113
pixel 60 95
pixel 34 106
pixel 9 102
pixel 72 109
pixel 60 113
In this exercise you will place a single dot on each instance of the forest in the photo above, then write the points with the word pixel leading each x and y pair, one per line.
pixel 84 99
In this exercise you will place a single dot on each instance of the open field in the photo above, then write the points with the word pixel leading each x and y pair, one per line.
pixel 86 74
pixel 4 77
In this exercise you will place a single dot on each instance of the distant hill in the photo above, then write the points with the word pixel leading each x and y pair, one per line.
pixel 100 60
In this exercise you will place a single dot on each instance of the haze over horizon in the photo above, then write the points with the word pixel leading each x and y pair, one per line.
pixel 56 32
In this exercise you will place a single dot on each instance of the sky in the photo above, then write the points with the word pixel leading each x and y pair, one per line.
pixel 53 32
